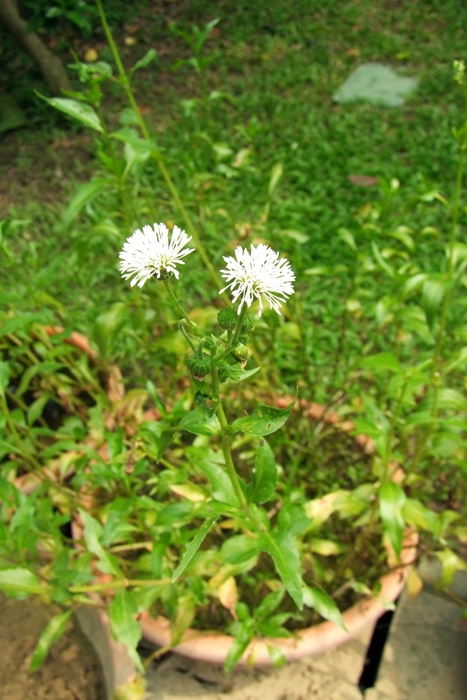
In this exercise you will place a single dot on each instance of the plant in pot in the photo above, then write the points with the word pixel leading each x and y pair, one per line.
pixel 189 521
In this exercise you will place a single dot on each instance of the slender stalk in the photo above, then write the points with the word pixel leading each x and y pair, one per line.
pixel 181 310
pixel 436 372
pixel 125 82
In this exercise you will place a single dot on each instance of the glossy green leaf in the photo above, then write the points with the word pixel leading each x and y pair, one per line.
pixel 208 463
pixel 193 547
pixel 79 111
pixel 201 421
pixel 282 548
pixel 52 633
pixel 391 502
pixel 263 421
pixel 264 474
pixel 125 628
pixel 319 600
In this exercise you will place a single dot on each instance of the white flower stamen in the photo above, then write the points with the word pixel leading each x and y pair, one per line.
pixel 149 252
pixel 257 274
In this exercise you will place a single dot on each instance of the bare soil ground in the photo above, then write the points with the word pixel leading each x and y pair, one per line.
pixel 71 671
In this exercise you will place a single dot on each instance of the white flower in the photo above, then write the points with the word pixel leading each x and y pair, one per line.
pixel 258 274
pixel 150 252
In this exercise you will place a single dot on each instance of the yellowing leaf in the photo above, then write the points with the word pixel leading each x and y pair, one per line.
pixel 414 584
pixel 228 595
pixel 192 493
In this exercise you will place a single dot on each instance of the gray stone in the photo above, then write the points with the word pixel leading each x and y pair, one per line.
pixel 426 653
pixel 377 84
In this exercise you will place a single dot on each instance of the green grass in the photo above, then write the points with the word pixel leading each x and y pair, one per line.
pixel 281 63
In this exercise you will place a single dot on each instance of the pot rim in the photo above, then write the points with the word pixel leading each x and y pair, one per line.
pixel 213 647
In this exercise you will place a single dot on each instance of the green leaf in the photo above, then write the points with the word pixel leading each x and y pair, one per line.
pixel 108 324
pixel 208 463
pixel 93 531
pixel 391 502
pixel 282 548
pixel 201 421
pixel 52 633
pixel 145 61
pixel 381 261
pixel 433 292
pixel 263 421
pixel 320 601
pixel 450 563
pixel 270 603
pixel 276 174
pixel 19 583
pixel 84 194
pixel 239 549
pixel 36 408
pixel 381 361
pixel 4 377
pixel 183 618
pixel 80 111
pixel 264 474
pixel 241 640
pixel 421 517
pixel 193 547
pixel 237 374
pixel 277 657
pixel 125 628
pixel 347 237
pixel 22 322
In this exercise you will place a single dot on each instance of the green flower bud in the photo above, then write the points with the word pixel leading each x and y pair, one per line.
pixel 240 353
pixel 227 319
pixel 199 365
pixel 243 338
pixel 247 324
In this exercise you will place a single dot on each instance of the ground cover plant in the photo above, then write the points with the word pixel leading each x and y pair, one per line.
pixel 248 152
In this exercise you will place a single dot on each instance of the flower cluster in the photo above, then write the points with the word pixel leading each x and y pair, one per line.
pixel 149 252
pixel 258 274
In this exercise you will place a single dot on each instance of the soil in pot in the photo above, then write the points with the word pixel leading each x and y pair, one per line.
pixel 70 672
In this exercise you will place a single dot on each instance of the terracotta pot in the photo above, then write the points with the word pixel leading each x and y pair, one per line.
pixel 213 647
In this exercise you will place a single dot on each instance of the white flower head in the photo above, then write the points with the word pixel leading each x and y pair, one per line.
pixel 150 252
pixel 258 274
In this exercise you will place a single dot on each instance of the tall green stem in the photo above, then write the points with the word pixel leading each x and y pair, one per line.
pixel 440 337
pixel 124 80
pixel 180 309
